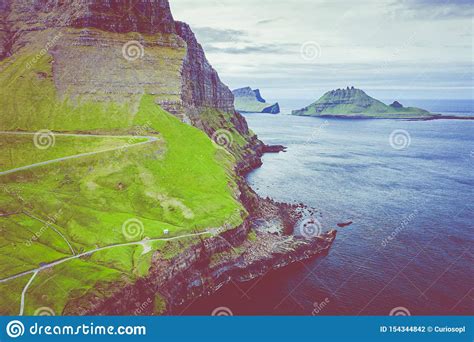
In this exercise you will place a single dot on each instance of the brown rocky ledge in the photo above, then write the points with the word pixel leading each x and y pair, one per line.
pixel 175 71
pixel 205 268
pixel 274 148
pixel 263 242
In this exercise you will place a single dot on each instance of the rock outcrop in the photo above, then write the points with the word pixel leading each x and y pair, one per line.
pixel 396 104
pixel 248 100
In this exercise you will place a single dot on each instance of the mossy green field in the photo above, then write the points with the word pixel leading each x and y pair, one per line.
pixel 177 184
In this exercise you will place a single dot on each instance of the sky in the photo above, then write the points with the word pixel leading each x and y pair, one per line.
pixel 300 49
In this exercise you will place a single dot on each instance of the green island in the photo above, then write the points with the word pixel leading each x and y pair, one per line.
pixel 355 103
pixel 248 100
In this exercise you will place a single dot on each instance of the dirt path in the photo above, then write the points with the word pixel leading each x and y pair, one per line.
pixel 47 162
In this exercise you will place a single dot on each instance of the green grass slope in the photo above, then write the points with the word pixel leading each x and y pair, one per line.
pixel 20 150
pixel 181 183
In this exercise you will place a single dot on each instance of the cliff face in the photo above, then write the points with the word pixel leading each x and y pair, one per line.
pixel 204 268
pixel 149 17
pixel 93 33
pixel 101 28
pixel 201 84
pixel 4 33
pixel 80 51
pixel 119 16
pixel 197 272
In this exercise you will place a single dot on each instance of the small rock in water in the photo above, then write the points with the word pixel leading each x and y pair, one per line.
pixel 343 225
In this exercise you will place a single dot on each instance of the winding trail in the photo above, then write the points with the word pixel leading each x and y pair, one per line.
pixel 35 272
pixel 47 162
pixel 50 225
pixel 23 293
pixel 144 243
pixel 62 261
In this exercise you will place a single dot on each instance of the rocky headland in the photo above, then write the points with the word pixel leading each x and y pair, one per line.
pixel 85 43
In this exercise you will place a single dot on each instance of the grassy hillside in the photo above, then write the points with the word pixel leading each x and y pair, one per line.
pixel 182 183
pixel 20 150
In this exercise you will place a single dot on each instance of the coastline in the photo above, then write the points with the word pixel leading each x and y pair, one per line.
pixel 359 153
pixel 264 242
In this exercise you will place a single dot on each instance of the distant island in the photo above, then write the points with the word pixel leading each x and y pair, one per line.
pixel 355 103
pixel 248 100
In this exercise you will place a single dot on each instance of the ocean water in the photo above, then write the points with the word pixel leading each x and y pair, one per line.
pixel 411 202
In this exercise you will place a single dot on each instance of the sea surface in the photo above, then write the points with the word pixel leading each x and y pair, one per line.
pixel 407 186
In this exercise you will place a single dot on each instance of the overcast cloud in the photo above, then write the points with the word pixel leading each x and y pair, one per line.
pixel 393 49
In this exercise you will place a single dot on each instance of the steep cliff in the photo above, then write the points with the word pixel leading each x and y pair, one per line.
pixel 201 84
pixel 125 50
pixel 171 64
pixel 118 16
pixel 110 71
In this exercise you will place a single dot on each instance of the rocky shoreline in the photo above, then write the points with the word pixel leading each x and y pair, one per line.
pixel 175 72
pixel 264 242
